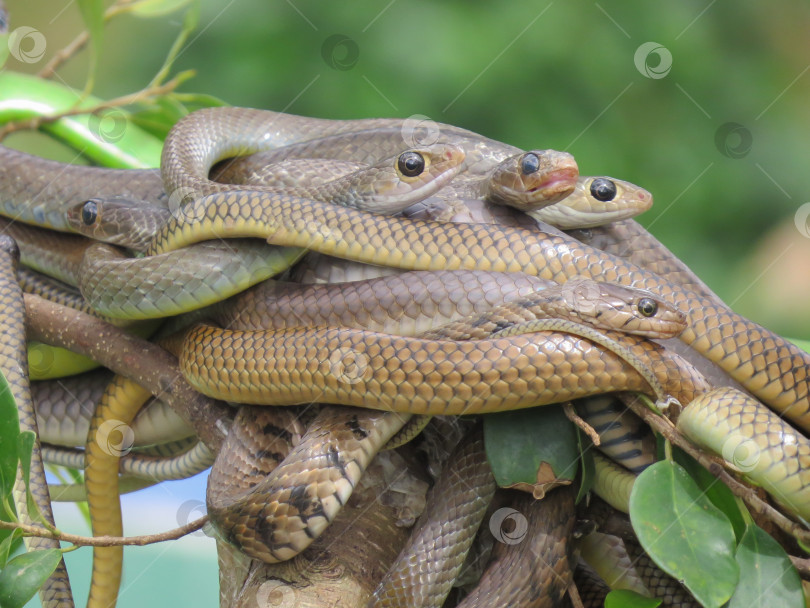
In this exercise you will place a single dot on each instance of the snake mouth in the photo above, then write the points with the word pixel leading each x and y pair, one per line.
pixel 561 181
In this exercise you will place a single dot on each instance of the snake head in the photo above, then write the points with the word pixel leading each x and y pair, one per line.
pixel 534 179
pixel 627 309
pixel 407 178
pixel 596 201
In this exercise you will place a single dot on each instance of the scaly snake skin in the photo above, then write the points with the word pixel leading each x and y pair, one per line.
pixel 735 343
pixel 14 367
pixel 288 529
pixel 778 380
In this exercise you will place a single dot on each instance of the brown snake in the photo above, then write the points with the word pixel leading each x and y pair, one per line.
pixel 272 529
pixel 14 368
pixel 735 343
pixel 783 382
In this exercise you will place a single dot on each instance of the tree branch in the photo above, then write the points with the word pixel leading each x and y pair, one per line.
pixel 124 100
pixel 148 364
pixel 715 466
pixel 106 541
pixel 120 6
pixel 802 565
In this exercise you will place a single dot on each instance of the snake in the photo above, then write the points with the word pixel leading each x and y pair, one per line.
pixel 56 591
pixel 457 502
pixel 755 442
pixel 579 209
pixel 628 239
pixel 594 202
pixel 64 409
pixel 106 442
pixel 542 561
pixel 181 463
pixel 624 438
pixel 624 565
pixel 732 341
pixel 269 528
pixel 152 283
pixel 389 185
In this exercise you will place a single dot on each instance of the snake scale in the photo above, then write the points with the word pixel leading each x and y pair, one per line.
pixel 737 344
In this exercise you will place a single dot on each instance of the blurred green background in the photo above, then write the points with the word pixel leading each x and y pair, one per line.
pixel 711 116
pixel 536 75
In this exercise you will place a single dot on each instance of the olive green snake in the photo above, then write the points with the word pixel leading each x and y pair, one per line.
pixel 564 260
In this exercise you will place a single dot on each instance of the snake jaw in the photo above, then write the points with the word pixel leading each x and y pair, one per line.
pixel 551 177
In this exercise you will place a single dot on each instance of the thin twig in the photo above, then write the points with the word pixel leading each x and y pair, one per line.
pixel 124 100
pixel 573 595
pixel 121 6
pixel 568 408
pixel 715 466
pixel 802 565
pixel 107 541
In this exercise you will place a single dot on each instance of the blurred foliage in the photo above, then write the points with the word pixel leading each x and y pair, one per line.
pixel 536 75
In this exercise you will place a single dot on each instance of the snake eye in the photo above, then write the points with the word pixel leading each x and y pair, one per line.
pixel 89 212
pixel 411 164
pixel 529 163
pixel 647 307
pixel 603 189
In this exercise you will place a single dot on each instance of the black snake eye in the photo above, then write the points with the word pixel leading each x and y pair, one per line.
pixel 529 163
pixel 411 164
pixel 647 307
pixel 603 189
pixel 89 212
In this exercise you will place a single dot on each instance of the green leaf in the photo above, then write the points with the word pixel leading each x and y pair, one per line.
pixel 93 14
pixel 535 446
pixel 190 21
pixel 159 117
pixel 9 431
pixel 715 490
pixel 9 545
pixel 195 101
pixel 588 469
pixel 75 476
pixel 684 533
pixel 624 598
pixel 157 8
pixel 25 446
pixel 25 574
pixel 767 576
